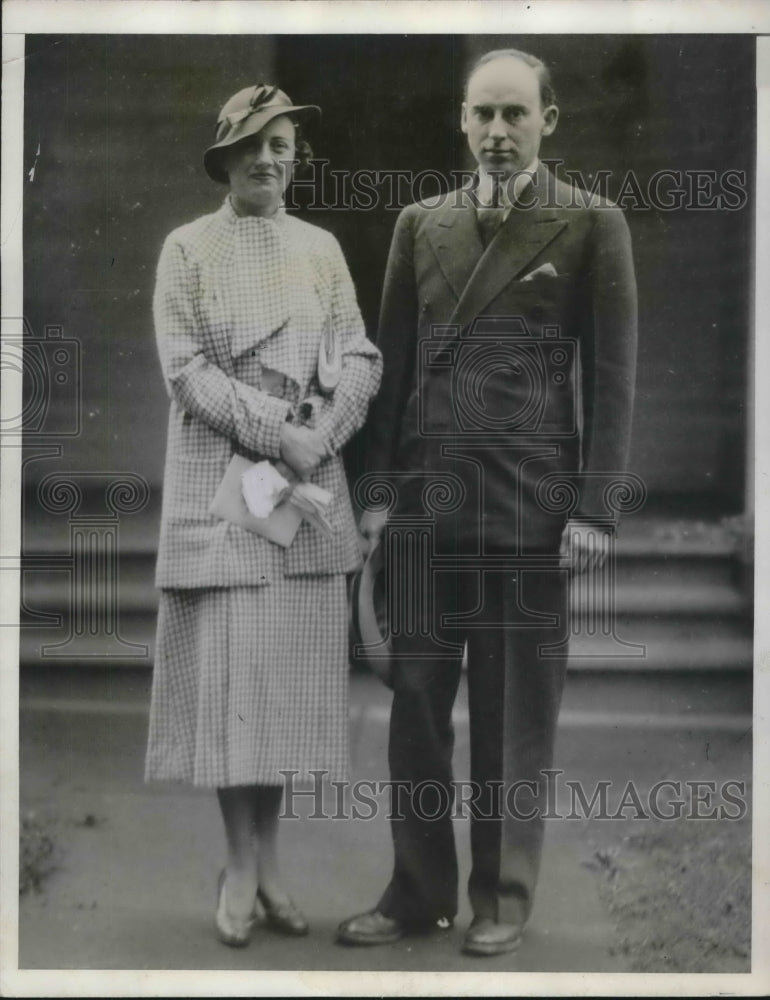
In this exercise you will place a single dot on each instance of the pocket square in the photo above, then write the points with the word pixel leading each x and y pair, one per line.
pixel 544 271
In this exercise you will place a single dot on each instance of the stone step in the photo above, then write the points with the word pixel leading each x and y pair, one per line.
pixel 683 570
pixel 662 650
pixel 639 535
pixel 660 630
pixel 635 626
pixel 48 590
pixel 677 594
pixel 664 694
pixel 656 554
pixel 730 653
pixel 633 599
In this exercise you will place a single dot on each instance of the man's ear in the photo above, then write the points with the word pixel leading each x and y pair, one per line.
pixel 551 116
pixel 464 118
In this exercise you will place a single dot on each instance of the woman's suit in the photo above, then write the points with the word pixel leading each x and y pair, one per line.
pixel 250 672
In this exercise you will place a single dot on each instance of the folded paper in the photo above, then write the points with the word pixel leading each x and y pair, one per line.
pixel 282 500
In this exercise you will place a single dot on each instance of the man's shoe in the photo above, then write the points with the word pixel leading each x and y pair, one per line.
pixel 372 927
pixel 486 937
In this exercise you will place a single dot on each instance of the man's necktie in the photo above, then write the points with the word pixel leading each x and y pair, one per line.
pixel 489 219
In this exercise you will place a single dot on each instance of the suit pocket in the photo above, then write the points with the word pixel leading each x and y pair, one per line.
pixel 543 286
pixel 543 301
pixel 190 486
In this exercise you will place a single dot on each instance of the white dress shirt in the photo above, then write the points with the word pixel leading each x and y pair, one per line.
pixel 508 193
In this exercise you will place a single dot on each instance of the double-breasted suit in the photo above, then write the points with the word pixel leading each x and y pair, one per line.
pixel 508 378
pixel 577 346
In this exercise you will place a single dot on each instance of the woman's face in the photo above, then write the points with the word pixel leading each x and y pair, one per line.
pixel 260 167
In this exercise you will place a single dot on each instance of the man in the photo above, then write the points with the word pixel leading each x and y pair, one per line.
pixel 508 330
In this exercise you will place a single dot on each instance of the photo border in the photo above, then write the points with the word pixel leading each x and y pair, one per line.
pixel 345 17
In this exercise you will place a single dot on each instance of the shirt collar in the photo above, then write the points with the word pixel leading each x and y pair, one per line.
pixel 509 194
pixel 232 216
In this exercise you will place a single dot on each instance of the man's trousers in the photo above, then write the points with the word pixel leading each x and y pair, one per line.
pixel 516 628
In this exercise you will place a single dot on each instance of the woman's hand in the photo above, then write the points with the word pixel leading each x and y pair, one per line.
pixel 302 449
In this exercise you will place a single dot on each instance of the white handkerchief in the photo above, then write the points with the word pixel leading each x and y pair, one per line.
pixel 263 487
pixel 544 271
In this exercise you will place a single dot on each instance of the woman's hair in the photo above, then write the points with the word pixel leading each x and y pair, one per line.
pixel 304 151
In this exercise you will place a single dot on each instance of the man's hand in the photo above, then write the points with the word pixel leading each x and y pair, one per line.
pixel 583 547
pixel 302 450
pixel 372 525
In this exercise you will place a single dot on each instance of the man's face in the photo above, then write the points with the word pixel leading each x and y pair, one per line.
pixel 503 118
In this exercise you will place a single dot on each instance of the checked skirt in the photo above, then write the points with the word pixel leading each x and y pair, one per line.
pixel 249 682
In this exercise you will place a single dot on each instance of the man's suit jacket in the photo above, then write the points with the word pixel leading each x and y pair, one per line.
pixel 531 379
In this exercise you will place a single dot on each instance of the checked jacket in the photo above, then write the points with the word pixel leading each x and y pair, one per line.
pixel 240 306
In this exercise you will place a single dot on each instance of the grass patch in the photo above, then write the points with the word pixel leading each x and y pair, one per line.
pixel 679 893
pixel 37 852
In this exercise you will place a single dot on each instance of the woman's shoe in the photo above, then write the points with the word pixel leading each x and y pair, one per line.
pixel 235 933
pixel 286 917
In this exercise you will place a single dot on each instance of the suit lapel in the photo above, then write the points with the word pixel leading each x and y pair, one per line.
pixel 522 236
pixel 454 237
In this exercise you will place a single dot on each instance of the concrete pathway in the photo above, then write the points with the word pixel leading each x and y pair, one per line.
pixel 135 883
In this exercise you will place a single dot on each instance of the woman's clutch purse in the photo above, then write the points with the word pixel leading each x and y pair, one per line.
pixel 329 360
pixel 280 525
pixel 263 497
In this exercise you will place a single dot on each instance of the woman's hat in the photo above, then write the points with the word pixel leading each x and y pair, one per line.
pixel 367 629
pixel 245 114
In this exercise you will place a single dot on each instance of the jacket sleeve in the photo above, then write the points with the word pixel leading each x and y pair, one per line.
pixel 397 339
pixel 608 358
pixel 338 416
pixel 247 415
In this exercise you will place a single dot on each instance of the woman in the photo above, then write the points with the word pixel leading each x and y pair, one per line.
pixel 251 668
